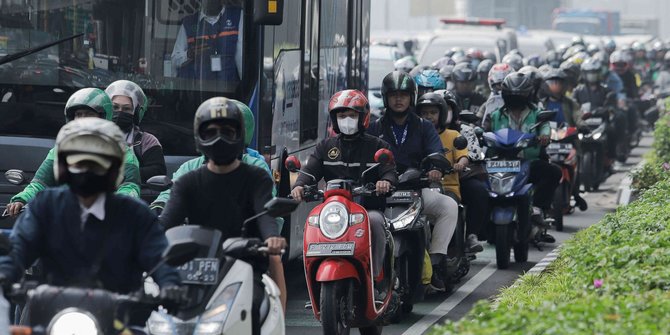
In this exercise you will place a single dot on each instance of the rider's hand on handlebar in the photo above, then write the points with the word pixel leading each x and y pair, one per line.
pixel 298 193
pixel 275 245
pixel 383 187
pixel 434 175
pixel 543 140
pixel 14 208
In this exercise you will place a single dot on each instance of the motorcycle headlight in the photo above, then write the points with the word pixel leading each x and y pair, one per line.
pixel 405 218
pixel 73 321
pixel 580 136
pixel 217 312
pixel 333 220
pixel 596 136
pixel 522 143
pixel 501 184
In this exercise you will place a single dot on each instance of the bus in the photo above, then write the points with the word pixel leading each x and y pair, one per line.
pixel 291 56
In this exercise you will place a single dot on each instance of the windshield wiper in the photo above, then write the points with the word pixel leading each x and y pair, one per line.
pixel 21 54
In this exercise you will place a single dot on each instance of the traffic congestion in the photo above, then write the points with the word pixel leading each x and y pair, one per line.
pixel 234 159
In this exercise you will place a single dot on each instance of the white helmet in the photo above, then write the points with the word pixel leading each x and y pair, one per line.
pixel 133 91
pixel 91 139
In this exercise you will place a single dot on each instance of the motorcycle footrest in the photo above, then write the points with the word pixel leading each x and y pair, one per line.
pixel 308 305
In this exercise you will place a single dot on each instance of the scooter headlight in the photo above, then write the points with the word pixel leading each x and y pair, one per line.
pixel 73 321
pixel 501 183
pixel 597 136
pixel 333 220
pixel 405 218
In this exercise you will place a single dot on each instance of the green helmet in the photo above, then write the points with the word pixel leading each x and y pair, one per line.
pixel 94 99
pixel 129 89
pixel 249 121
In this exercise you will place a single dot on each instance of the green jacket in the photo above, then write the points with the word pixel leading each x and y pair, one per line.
pixel 500 119
pixel 44 177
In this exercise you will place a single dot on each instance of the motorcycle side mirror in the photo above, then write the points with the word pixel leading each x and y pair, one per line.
pixel 278 207
pixel 479 132
pixel 180 252
pixel 545 116
pixel 5 244
pixel 159 183
pixel 460 143
pixel 292 164
pixel 468 117
pixel 436 161
pixel 16 177
pixel 384 156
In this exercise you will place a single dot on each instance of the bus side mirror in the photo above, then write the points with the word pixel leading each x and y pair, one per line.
pixel 268 12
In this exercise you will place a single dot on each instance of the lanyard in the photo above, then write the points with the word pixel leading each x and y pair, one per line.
pixel 403 138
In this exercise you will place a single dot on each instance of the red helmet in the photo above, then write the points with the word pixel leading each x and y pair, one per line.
pixel 350 99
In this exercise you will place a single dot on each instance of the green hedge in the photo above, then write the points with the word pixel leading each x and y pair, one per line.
pixel 657 162
pixel 611 278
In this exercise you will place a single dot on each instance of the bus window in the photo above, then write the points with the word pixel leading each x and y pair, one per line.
pixel 180 52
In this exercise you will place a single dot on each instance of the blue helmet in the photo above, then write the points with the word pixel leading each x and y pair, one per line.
pixel 429 80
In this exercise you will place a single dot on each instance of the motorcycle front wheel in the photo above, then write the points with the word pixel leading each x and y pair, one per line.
pixel 502 246
pixel 588 171
pixel 559 204
pixel 334 309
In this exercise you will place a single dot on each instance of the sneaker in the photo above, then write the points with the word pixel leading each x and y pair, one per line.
pixel 546 238
pixel 581 203
pixel 436 282
pixel 472 244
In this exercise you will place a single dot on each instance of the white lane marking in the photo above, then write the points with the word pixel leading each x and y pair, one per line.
pixel 452 301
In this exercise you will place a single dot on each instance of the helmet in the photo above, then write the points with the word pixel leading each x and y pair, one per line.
pixel 637 46
pixel 490 55
pixel 418 69
pixel 516 90
pixel 553 74
pixel 498 73
pixel 515 52
pixel 350 99
pixel 610 46
pixel 91 139
pixel 447 72
pixel 554 58
pixel 464 72
pixel 443 61
pixel 404 64
pixel 430 80
pixel 562 48
pixel 591 70
pixel 475 53
pixel 451 100
pixel 514 60
pixel 533 60
pixel 535 76
pixel 249 121
pixel 458 59
pixel 572 71
pixel 454 51
pixel 436 99
pixel 218 147
pixel 619 62
pixel 592 49
pixel 134 92
pixel 484 67
pixel 578 40
pixel 93 99
pixel 579 57
pixel 398 81
pixel 658 46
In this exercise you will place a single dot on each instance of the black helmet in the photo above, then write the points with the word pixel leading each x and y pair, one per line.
pixel 219 147
pixel 484 67
pixel 572 71
pixel 535 76
pixel 555 74
pixel 464 72
pixel 450 98
pixel 554 58
pixel 435 99
pixel 398 81
pixel 516 90
pixel 490 55
pixel 610 46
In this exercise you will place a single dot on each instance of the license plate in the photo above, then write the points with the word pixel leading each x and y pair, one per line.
pixel 203 271
pixel 559 148
pixel 593 121
pixel 331 249
pixel 402 194
pixel 503 166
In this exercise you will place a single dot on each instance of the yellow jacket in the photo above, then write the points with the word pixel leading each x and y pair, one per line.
pixel 450 181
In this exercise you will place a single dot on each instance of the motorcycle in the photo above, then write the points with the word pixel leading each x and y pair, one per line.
pixel 593 157
pixel 338 257
pixel 562 153
pixel 510 191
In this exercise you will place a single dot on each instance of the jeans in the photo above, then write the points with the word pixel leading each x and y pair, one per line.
pixel 443 211
pixel 545 177
pixel 476 198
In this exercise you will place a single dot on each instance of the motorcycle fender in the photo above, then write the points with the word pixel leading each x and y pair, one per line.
pixel 524 190
pixel 333 269
pixel 502 215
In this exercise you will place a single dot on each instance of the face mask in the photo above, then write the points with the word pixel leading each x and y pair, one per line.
pixel 222 152
pixel 124 120
pixel 515 102
pixel 87 183
pixel 348 125
pixel 592 78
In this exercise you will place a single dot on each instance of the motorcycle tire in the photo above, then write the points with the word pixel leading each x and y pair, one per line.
pixel 333 307
pixel 587 171
pixel 502 246
pixel 371 330
pixel 559 204
pixel 622 151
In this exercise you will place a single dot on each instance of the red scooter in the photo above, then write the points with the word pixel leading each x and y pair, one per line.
pixel 563 153
pixel 338 257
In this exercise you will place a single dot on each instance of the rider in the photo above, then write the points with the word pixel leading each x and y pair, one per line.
pixel 496 76
pixel 483 69
pixel 224 187
pixel 411 140
pixel 346 156
pixel 83 233
pixel 130 104
pixel 250 157
pixel 429 80
pixel 87 102
pixel 434 108
pixel 465 77
pixel 520 114
pixel 620 63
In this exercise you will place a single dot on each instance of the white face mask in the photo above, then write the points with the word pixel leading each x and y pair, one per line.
pixel 348 125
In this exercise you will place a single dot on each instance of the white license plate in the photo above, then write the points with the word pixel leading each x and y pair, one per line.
pixel 402 194
pixel 202 271
pixel 330 249
pixel 503 166
pixel 593 121
pixel 559 148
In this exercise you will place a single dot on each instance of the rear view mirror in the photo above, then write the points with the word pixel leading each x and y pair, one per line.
pixel 436 161
pixel 15 177
pixel 460 143
pixel 268 12
pixel 278 207
pixel 159 183
pixel 468 117
pixel 384 156
pixel 292 164
pixel 545 116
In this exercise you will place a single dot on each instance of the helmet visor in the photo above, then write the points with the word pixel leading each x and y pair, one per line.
pixel 213 131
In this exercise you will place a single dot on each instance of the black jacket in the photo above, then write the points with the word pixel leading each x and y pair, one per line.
pixel 339 158
pixel 600 97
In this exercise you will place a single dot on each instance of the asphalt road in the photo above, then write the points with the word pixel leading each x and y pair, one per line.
pixel 483 281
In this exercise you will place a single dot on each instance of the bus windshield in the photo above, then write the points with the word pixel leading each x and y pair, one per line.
pixel 179 52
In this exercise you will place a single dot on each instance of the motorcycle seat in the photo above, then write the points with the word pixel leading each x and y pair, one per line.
pixel 265 307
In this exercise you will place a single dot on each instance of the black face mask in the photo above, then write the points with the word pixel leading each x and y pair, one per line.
pixel 86 184
pixel 125 121
pixel 515 101
pixel 222 152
